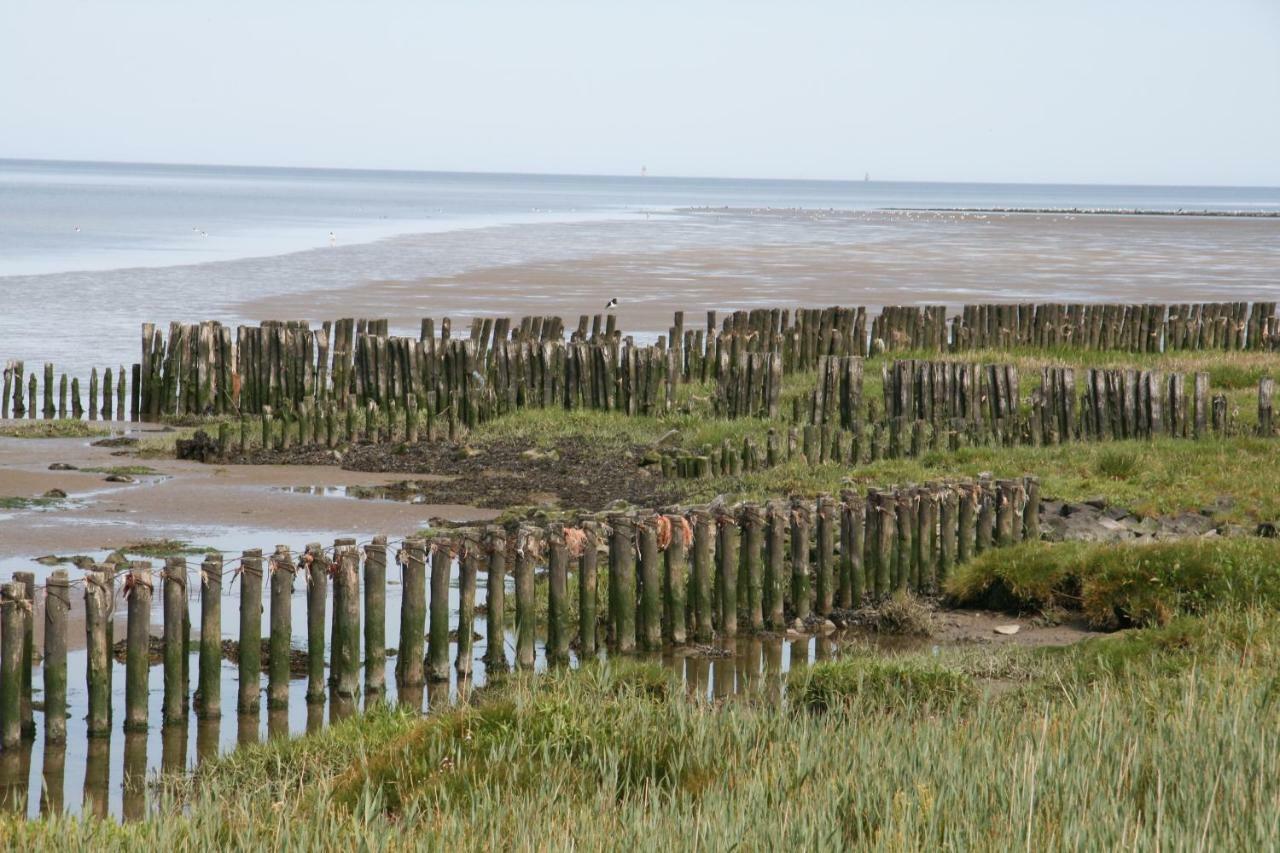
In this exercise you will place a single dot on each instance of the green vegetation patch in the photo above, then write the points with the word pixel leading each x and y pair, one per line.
pixel 59 428
pixel 163 548
pixel 124 470
pixel 889 685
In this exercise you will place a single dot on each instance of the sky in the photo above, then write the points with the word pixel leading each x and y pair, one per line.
pixel 1077 91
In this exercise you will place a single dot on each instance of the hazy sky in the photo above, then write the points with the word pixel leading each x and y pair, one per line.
pixel 1119 91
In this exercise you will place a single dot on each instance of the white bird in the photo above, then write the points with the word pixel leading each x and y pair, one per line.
pixel 77 229
pixel 204 233
pixel 613 303
pixel 333 241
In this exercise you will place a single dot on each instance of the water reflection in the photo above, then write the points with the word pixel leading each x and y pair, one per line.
pixel 134 802
pixel 52 779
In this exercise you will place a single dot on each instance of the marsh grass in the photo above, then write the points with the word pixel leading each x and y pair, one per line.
pixel 57 428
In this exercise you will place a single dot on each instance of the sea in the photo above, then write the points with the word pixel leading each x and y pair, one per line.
pixel 88 251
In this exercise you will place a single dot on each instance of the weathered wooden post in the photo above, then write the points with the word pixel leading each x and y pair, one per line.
pixel 495 655
pixel 345 667
pixel 800 520
pixel 57 602
pixel 175 640
pixel 852 529
pixel 887 542
pixel 703 537
pixel 557 595
pixel 1006 503
pixel 966 524
pixel 1031 511
pixel 413 613
pixel 1266 395
pixel 28 581
pixel 526 615
pixel 905 508
pixel 622 581
pixel 650 586
pixel 751 577
pixel 587 553
pixel 438 607
pixel 728 567
pixel 12 597
pixel 986 517
pixel 250 664
pixel 826 524
pixel 948 505
pixel 675 578
pixel 375 616
pixel 282 572
pixel 137 650
pixel 317 566
pixel 209 704
pixel 468 567
pixel 774 586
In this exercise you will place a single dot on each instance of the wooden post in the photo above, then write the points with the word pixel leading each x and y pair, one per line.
pixel 413 613
pixel 495 656
pixel 175 640
pixel 345 667
pixel 57 602
pixel 727 575
pixel 526 614
pixel 282 571
pixel 1005 505
pixel 773 595
pixel 887 541
pixel 966 525
pixel 468 567
pixel 1031 512
pixel 442 551
pixel 317 567
pixel 1266 394
pixel 28 581
pixel 137 650
pixel 209 706
pixel 986 517
pixel 800 600
pixel 703 537
pixel 826 525
pixel 947 532
pixel 622 581
pixel 852 530
pixel 587 583
pixel 12 597
pixel 650 586
pixel 250 668
pixel 375 616
pixel 751 577
pixel 557 595
pixel 675 578
pixel 904 507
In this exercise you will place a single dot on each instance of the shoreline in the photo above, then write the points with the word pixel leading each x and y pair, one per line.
pixel 1096 211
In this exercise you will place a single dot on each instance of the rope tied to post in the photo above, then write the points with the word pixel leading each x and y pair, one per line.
pixel 133 581
pixel 575 539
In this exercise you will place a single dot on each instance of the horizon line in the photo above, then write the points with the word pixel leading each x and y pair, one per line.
pixel 637 177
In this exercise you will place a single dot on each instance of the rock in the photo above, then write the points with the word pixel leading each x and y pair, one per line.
pixel 827 626
pixel 48 560
pixel 1269 529
pixel 119 478
pixel 55 494
pixel 118 441
pixel 62 466
pixel 1008 630
pixel 200 448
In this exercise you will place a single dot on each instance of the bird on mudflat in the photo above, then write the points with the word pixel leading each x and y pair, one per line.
pixel 613 303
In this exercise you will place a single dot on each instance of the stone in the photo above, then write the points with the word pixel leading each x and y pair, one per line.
pixel 63 466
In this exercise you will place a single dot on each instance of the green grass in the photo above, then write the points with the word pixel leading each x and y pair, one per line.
pixel 59 428
pixel 163 548
pixel 124 470
pixel 1118 585
pixel 15 502
pixel 1152 738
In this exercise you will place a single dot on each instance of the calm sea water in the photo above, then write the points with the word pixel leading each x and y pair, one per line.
pixel 90 250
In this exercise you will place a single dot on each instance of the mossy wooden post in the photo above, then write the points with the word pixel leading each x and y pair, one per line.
pixel 826 536
pixel 948 502
pixel 526 615
pixel 413 613
pixel 727 574
pixel 375 616
pixel 649 627
pixel 557 595
pixel 468 568
pixel 675 580
pixel 751 577
pixel 1031 511
pixel 137 662
pixel 887 547
pixel 622 581
pixel 28 581
pixel 317 575
pixel 966 521
pixel 282 572
pixel 774 595
pixel 495 655
pixel 57 602
pixel 587 584
pixel 209 706
pixel 438 610
pixel 1005 506
pixel 175 641
pixel 250 668
pixel 852 530
pixel 985 535
pixel 800 521
pixel 62 396
pixel 93 394
pixel 703 539
pixel 12 602
pixel 345 668
pixel 49 410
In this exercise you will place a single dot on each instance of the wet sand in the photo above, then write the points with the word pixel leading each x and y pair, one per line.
pixel 188 501
pixel 820 258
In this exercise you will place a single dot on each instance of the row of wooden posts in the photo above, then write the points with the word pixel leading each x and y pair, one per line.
pixel 113 397
pixel 670 578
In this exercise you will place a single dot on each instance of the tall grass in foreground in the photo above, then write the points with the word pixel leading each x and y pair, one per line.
pixel 1165 737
